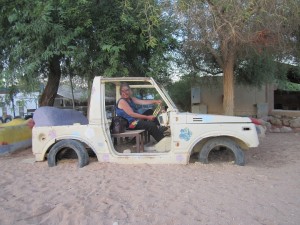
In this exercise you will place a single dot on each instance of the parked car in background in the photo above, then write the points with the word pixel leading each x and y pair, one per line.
pixel 5 118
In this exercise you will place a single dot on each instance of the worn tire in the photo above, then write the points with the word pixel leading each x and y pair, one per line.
pixel 8 120
pixel 222 142
pixel 83 157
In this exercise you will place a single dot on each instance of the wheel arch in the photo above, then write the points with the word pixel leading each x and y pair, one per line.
pixel 75 145
pixel 239 157
pixel 54 141
pixel 200 142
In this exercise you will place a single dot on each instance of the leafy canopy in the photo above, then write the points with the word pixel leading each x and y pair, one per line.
pixel 55 38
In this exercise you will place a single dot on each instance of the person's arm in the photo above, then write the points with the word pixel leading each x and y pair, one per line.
pixel 126 107
pixel 145 102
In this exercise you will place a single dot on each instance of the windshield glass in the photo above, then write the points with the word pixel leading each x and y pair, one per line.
pixel 168 97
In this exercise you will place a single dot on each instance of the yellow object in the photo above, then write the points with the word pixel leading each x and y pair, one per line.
pixel 14 122
pixel 157 110
pixel 15 131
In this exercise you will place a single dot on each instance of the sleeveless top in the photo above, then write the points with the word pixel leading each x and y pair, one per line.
pixel 122 113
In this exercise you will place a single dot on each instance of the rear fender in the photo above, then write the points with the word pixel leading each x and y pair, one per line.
pixel 48 146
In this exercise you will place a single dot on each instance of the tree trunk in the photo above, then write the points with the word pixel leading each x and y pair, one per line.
pixel 50 91
pixel 72 90
pixel 228 86
pixel 70 70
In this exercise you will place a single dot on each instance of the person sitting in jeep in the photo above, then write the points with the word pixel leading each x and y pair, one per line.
pixel 126 108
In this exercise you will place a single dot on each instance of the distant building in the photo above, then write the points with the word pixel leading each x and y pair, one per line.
pixel 20 105
pixel 64 98
pixel 248 101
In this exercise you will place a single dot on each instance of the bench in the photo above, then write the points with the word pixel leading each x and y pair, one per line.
pixel 139 135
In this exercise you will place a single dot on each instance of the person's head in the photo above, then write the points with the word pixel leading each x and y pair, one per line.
pixel 125 90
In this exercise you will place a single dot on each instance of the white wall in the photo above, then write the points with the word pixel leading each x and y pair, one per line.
pixel 30 102
pixel 245 101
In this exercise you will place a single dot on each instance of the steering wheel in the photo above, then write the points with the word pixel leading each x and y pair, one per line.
pixel 157 110
pixel 162 117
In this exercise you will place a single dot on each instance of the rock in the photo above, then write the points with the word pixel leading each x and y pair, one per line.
pixel 275 121
pixel 285 129
pixel 268 125
pixel 286 122
pixel 274 130
pixel 295 123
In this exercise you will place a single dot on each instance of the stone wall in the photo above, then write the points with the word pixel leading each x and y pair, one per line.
pixel 281 123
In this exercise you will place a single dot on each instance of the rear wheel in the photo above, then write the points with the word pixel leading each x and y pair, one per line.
pixel 60 147
pixel 221 142
pixel 8 119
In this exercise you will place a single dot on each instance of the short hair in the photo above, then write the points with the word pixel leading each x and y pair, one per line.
pixel 123 84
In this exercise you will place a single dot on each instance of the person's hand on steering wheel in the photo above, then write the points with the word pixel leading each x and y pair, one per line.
pixel 158 102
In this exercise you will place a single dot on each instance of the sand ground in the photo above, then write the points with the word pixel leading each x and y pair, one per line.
pixel 264 191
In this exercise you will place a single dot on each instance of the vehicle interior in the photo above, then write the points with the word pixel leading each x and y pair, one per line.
pixel 136 141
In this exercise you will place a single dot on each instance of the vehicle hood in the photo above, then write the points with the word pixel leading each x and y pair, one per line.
pixel 209 118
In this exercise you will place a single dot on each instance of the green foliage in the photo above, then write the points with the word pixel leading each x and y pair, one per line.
pixel 145 16
pixel 259 69
pixel 180 92
pixel 215 30
pixel 288 86
pixel 225 36
pixel 110 38
pixel 38 32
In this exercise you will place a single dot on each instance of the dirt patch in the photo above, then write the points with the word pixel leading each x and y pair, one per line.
pixel 264 191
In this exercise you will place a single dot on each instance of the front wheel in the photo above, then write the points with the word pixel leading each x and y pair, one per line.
pixel 222 142
pixel 80 150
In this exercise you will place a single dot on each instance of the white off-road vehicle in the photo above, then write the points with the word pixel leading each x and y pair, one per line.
pixel 188 133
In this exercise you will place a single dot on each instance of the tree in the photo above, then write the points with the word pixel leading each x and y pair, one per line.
pixel 180 91
pixel 95 37
pixel 37 35
pixel 222 35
